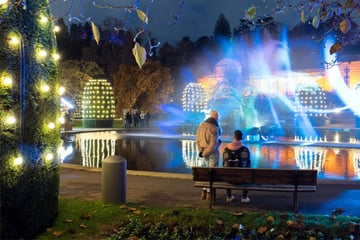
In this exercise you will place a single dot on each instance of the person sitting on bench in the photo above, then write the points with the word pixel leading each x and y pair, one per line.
pixel 236 155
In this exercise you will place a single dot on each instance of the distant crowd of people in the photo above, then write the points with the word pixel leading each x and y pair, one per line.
pixel 137 119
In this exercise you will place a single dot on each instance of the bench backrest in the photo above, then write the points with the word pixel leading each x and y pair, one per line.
pixel 256 175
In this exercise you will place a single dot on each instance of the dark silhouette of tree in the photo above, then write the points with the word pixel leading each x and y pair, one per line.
pixel 222 28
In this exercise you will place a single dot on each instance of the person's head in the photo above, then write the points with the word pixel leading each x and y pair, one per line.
pixel 238 135
pixel 214 114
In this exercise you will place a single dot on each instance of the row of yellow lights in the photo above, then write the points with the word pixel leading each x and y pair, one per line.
pixel 7 81
pixel 14 40
pixel 41 53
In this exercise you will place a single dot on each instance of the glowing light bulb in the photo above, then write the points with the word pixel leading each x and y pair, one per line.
pixel 42 53
pixel 7 81
pixel 56 29
pixel 18 161
pixel 51 125
pixel 11 120
pixel 43 19
pixel 49 157
pixel 61 120
pixel 61 90
pixel 14 40
pixel 45 88
pixel 3 2
pixel 56 56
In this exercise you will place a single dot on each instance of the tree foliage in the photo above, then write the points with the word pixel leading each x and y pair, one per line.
pixel 145 88
pixel 75 74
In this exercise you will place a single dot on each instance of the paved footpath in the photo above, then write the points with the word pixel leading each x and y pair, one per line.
pixel 163 189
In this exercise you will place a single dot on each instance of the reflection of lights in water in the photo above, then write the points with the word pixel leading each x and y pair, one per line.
pixel 336 151
pixel 356 158
pixel 190 154
pixel 96 146
pixel 336 137
pixel 310 158
pixel 65 152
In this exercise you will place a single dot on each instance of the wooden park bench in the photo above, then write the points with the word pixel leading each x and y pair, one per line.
pixel 255 179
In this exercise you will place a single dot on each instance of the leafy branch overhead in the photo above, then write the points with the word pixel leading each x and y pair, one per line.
pixel 139 52
pixel 338 17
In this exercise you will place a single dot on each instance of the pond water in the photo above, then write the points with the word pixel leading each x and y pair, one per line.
pixel 178 153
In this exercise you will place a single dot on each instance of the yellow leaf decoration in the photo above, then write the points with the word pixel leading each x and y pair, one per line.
pixel 345 25
pixel 96 32
pixel 140 54
pixel 302 16
pixel 142 16
pixel 250 13
pixel 316 21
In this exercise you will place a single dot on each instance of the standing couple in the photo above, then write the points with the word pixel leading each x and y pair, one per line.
pixel 208 143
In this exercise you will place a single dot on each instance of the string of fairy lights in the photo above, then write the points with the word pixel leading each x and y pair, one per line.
pixel 10 119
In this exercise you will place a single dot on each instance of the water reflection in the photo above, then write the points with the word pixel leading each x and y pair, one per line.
pixel 178 153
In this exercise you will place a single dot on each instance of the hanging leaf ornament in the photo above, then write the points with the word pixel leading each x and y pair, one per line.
pixel 96 32
pixel 336 48
pixel 142 16
pixel 345 25
pixel 140 54
pixel 302 16
pixel 316 21
pixel 250 13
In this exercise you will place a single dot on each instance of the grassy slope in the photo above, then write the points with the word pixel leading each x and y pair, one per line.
pixel 80 219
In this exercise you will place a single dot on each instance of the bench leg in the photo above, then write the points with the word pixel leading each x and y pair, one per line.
pixel 211 198
pixel 295 202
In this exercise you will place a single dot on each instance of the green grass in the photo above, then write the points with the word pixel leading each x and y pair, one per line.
pixel 81 219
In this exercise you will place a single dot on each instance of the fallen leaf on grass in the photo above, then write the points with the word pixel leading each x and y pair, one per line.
pixel 137 212
pixel 262 229
pixel 57 233
pixel 82 225
pixel 123 206
pixel 270 219
pixel 68 220
pixel 219 222
pixel 236 226
pixel 85 216
pixel 238 213
pixel 292 224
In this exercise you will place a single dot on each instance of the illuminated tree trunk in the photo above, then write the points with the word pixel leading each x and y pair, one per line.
pixel 29 109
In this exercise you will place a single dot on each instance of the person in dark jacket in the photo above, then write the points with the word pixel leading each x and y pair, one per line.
pixel 236 155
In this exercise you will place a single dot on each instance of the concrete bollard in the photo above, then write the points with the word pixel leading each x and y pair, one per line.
pixel 113 178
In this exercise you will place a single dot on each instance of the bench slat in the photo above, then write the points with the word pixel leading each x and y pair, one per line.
pixel 255 187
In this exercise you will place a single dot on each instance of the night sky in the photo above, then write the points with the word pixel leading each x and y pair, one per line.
pixel 198 17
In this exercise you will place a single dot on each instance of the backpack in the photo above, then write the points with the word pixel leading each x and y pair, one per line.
pixel 236 158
